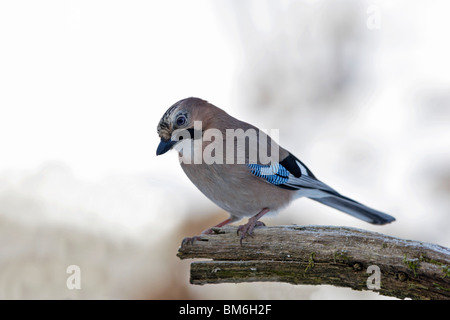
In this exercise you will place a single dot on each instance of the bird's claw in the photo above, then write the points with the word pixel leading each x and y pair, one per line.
pixel 190 240
pixel 247 229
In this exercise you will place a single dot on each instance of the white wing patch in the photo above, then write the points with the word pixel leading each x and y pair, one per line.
pixel 302 168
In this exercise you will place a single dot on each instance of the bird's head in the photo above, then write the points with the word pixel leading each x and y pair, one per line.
pixel 178 123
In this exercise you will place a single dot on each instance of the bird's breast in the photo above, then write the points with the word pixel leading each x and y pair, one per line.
pixel 233 188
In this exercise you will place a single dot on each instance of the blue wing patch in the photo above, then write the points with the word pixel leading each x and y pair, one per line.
pixel 275 174
pixel 290 174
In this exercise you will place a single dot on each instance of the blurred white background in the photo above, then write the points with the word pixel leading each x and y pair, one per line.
pixel 360 91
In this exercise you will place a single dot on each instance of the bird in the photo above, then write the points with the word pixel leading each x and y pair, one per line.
pixel 224 158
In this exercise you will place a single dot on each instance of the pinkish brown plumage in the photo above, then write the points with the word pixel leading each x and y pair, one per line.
pixel 235 175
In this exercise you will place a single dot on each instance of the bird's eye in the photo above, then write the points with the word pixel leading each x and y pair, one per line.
pixel 181 120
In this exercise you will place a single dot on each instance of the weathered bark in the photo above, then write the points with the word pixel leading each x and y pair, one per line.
pixel 315 255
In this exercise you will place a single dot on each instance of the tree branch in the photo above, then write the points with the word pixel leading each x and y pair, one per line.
pixel 315 255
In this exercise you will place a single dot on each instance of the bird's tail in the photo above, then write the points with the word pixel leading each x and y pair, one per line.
pixel 354 208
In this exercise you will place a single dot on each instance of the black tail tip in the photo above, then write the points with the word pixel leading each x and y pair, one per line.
pixel 383 220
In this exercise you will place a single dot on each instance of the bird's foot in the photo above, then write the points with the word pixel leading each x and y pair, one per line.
pixel 247 229
pixel 191 240
pixel 214 230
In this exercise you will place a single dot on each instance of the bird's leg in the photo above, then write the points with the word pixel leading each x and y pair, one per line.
pixel 190 240
pixel 247 229
pixel 223 223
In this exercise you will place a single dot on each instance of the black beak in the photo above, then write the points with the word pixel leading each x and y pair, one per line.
pixel 164 146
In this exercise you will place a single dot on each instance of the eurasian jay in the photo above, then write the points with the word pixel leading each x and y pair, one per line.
pixel 232 172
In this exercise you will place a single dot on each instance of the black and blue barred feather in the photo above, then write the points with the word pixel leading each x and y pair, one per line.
pixel 275 174
pixel 292 174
